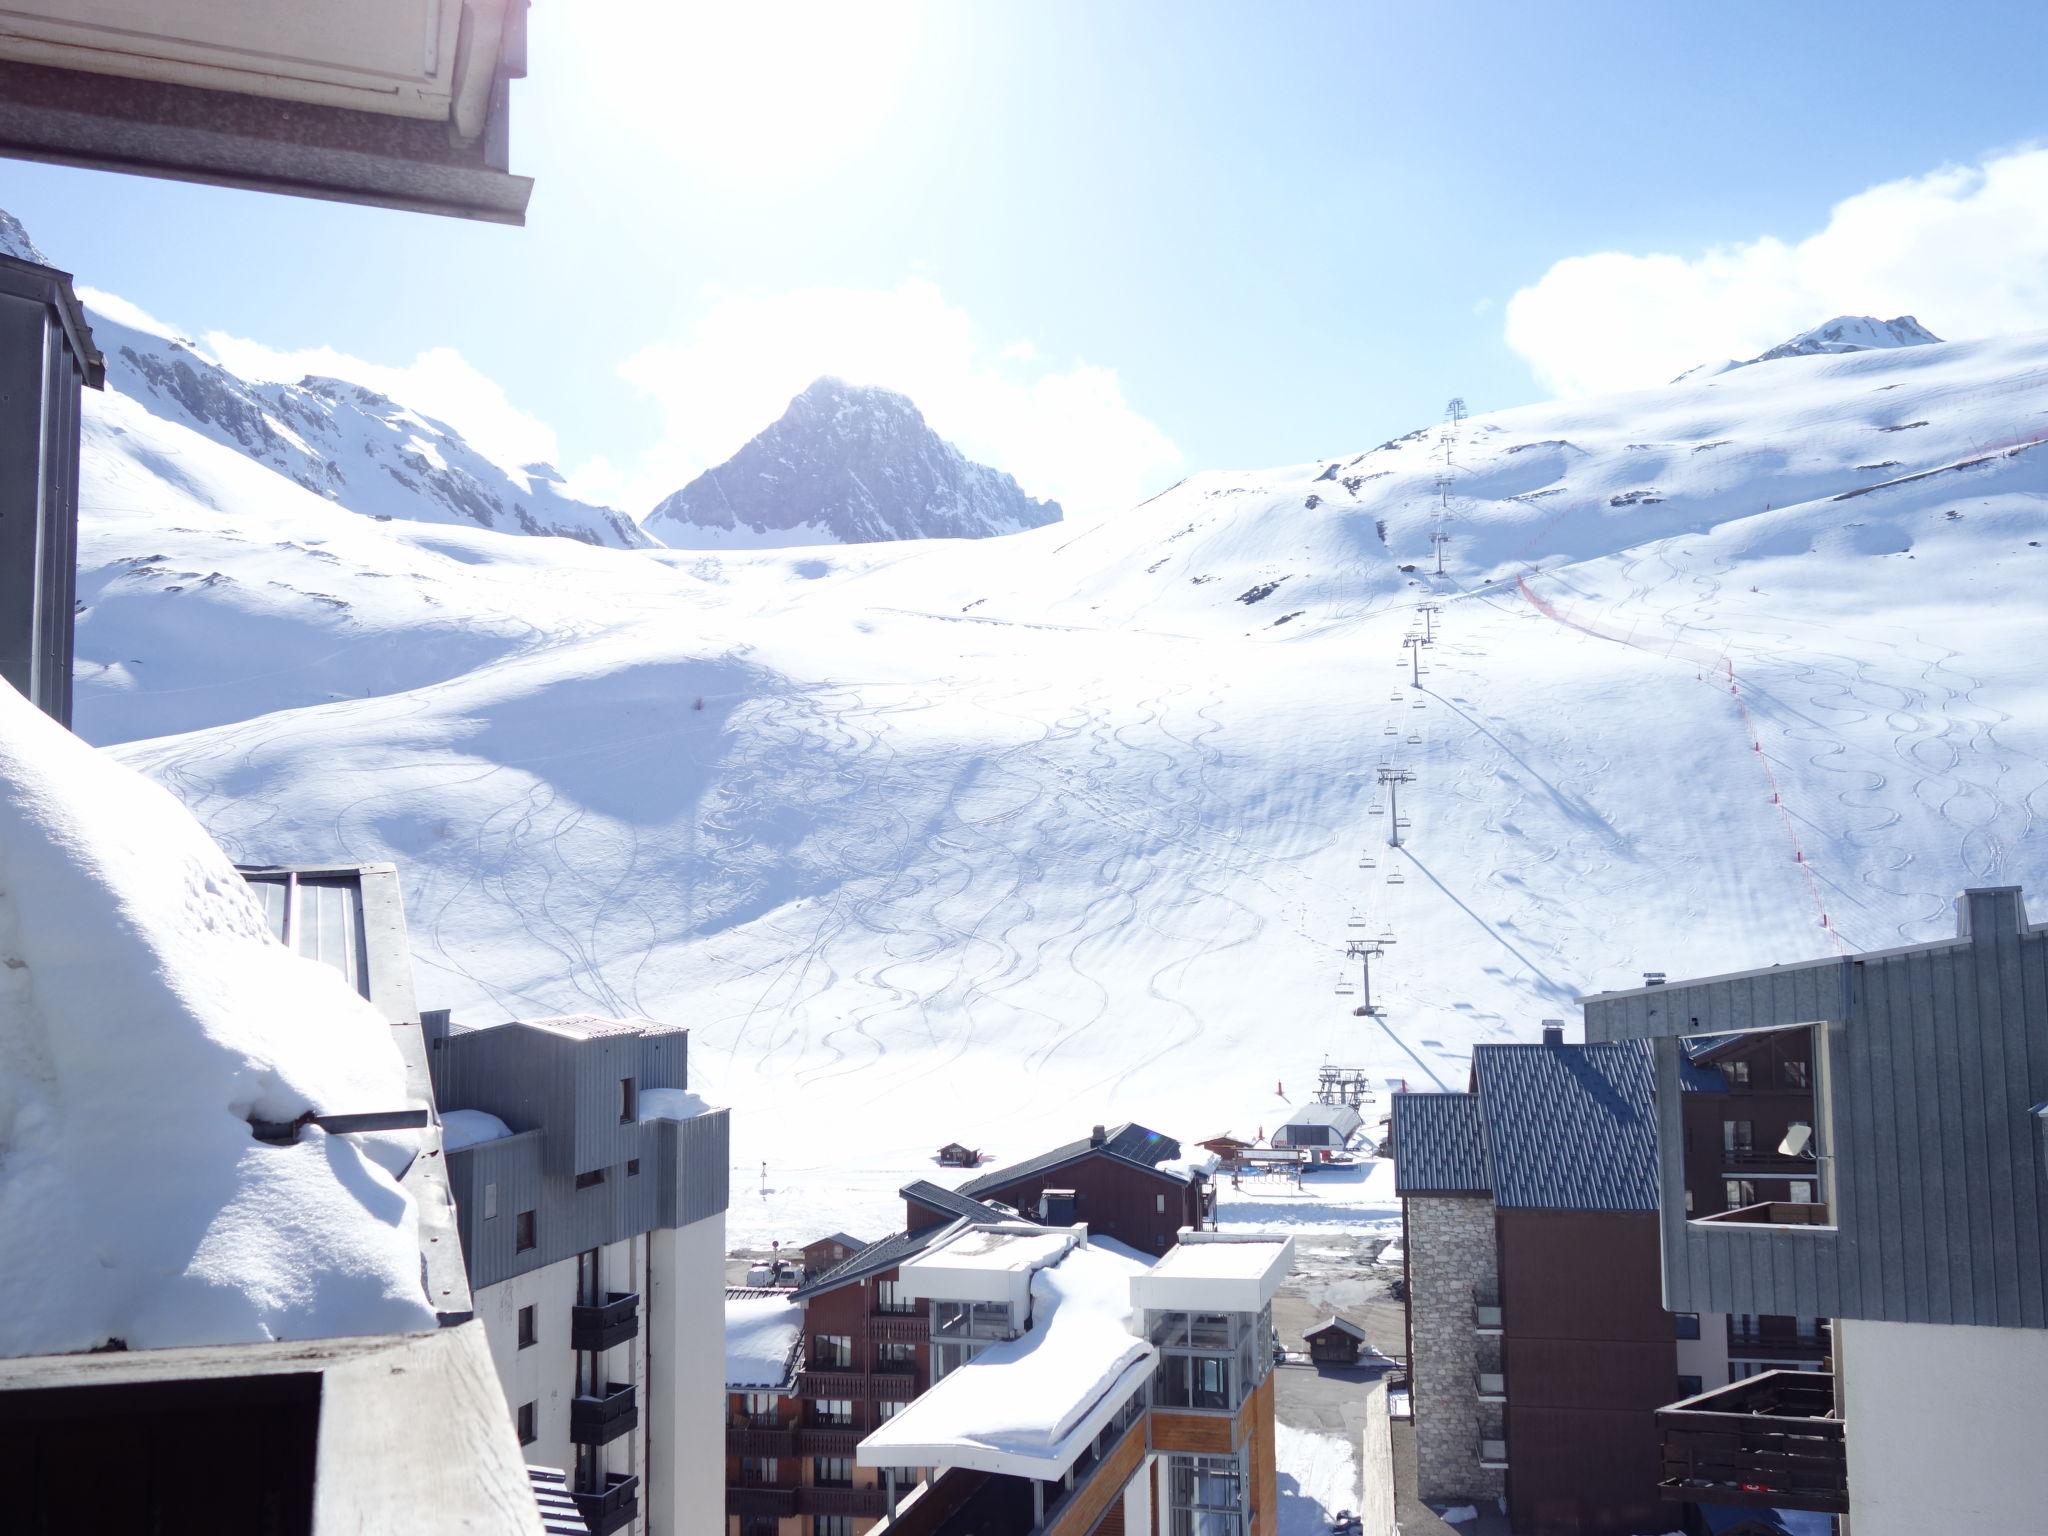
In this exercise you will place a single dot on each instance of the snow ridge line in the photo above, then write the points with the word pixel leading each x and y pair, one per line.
pixel 1721 663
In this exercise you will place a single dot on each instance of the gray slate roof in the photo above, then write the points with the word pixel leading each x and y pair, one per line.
pixel 1439 1148
pixel 952 1203
pixel 1569 1127
pixel 1130 1142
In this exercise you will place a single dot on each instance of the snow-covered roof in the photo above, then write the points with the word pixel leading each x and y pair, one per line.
pixel 985 1263
pixel 764 1333
pixel 1344 1117
pixel 466 1127
pixel 1340 1324
pixel 1029 1406
pixel 671 1104
pixel 147 1016
pixel 1216 1272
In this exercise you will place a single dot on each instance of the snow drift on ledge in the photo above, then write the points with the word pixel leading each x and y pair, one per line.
pixel 145 1015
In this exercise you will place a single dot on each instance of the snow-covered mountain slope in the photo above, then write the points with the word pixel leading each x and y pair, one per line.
pixel 845 464
pixel 949 839
pixel 1853 333
pixel 355 447
pixel 1844 333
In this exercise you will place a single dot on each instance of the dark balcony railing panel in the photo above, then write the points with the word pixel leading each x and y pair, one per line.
pixel 604 1327
pixel 601 1420
pixel 852 1385
pixel 1771 1440
pixel 864 1502
pixel 1770 1213
pixel 827 1442
pixel 899 1327
pixel 760 1499
pixel 741 1440
pixel 612 1510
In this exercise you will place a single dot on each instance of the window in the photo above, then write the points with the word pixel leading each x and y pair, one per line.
pixel 1689 1386
pixel 1738 1073
pixel 832 1352
pixel 1687 1324
pixel 759 1472
pixel 632 1167
pixel 1738 1193
pixel 525 1420
pixel 762 1409
pixel 1205 1496
pixel 1159 1204
pixel 490 1201
pixel 895 1357
pixel 629 1100
pixel 832 1412
pixel 1796 1074
pixel 526 1333
pixel 523 1235
pixel 591 1179
pixel 1802 1191
pixel 1737 1135
pixel 1688 1202
pixel 888 1300
pixel 832 1525
pixel 888 1410
pixel 832 1471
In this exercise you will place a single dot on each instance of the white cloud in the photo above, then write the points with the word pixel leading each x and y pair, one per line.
pixel 440 383
pixel 1067 433
pixel 1964 248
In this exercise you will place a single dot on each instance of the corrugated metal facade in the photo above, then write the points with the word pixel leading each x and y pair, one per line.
pixel 559 1087
pixel 1929 1061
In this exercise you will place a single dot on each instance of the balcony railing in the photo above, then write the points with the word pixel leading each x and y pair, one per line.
pixel 612 1510
pixel 599 1420
pixel 1776 1344
pixel 863 1502
pixel 753 1499
pixel 851 1385
pixel 604 1327
pixel 899 1327
pixel 1768 1158
pixel 1770 1213
pixel 1772 1440
pixel 745 1441
pixel 827 1442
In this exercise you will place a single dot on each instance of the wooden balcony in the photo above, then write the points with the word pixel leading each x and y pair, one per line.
pixel 1773 1441
pixel 827 1442
pixel 599 1420
pixel 612 1510
pixel 899 1327
pixel 760 1499
pixel 745 1440
pixel 1770 1213
pixel 865 1503
pixel 854 1386
pixel 604 1327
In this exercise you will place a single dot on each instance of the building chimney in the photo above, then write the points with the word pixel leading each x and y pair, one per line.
pixel 1653 978
pixel 1553 1031
pixel 1097 1136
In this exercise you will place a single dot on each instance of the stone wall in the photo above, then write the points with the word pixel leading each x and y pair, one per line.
pixel 1450 1250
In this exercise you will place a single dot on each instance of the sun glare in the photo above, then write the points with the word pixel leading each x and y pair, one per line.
pixel 746 91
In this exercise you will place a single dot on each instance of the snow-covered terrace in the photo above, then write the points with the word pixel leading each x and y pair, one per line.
pixel 763 1338
pixel 1029 1406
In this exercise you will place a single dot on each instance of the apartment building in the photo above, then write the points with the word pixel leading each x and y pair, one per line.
pixel 590 1189
pixel 1095 1391
pixel 869 1349
pixel 1923 1154
pixel 1539 1345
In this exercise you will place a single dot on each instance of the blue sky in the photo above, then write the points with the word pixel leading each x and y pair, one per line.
pixel 1104 244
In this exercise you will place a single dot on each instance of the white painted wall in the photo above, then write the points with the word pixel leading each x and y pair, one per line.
pixel 684 1399
pixel 1138 1500
pixel 1707 1356
pixel 1945 1427
pixel 544 1374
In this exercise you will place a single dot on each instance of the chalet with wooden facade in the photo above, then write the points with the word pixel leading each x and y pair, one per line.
pixel 1923 1234
pixel 1129 1183
pixel 1539 1346
pixel 1335 1341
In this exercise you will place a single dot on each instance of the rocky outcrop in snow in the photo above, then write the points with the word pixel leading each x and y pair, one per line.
pixel 1852 333
pixel 845 465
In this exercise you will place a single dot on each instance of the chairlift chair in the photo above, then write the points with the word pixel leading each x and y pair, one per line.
pixel 1414 741
pixel 1395 877
pixel 1375 810
pixel 1344 987
pixel 1357 920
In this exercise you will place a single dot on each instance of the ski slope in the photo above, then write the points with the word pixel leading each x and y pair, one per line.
pixel 991 840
